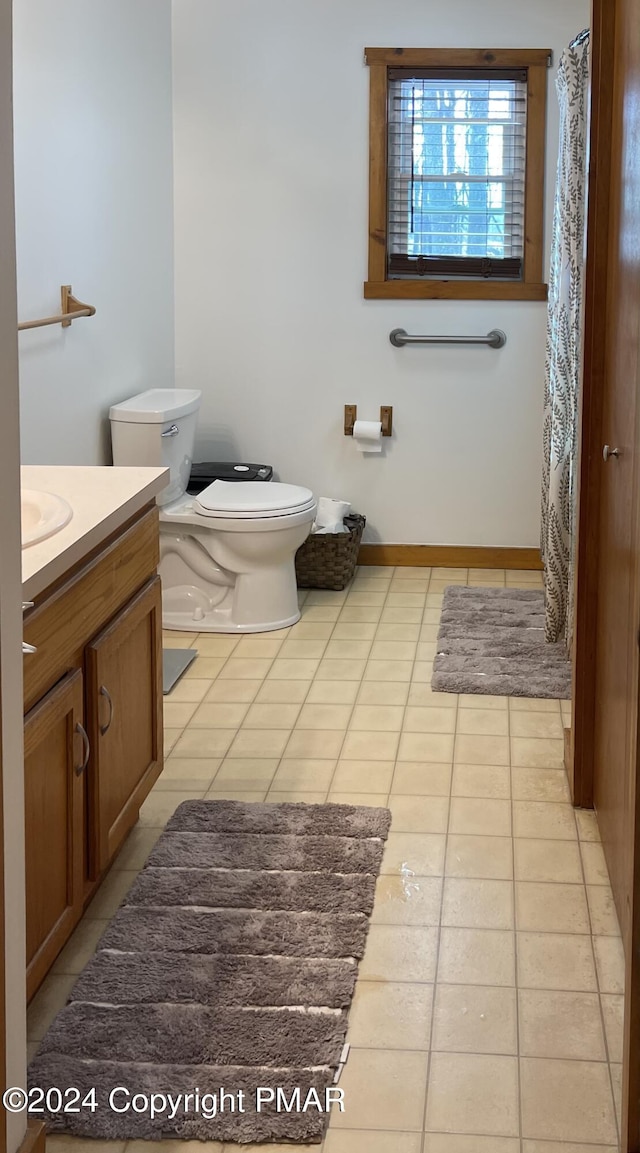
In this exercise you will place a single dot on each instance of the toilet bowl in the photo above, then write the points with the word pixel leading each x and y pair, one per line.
pixel 227 554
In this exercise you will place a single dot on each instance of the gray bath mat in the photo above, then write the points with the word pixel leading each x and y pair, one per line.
pixel 229 969
pixel 492 641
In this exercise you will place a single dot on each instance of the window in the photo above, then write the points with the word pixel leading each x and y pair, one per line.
pixel 456 173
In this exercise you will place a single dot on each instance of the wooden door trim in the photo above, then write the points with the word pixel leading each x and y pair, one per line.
pixel 591 403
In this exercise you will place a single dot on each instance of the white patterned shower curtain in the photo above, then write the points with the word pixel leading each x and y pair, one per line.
pixel 564 343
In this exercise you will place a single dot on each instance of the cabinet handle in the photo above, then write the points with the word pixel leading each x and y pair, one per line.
pixel 104 692
pixel 86 749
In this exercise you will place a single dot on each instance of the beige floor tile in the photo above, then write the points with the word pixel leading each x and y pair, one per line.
pixel 422 778
pixel 594 864
pixel 406 600
pixel 423 673
pixel 426 747
pixel 354 631
pixel 362 777
pixel 483 722
pixel 220 793
pixel 315 743
pixel 540 785
pixel 410 572
pixel 289 669
pixel 218 646
pixel 179 640
pixel 360 614
pixel 402 615
pixel 296 796
pixel 51 997
pixel 556 961
pixel 233 692
pixel 111 894
pixel 340 670
pixel 541 820
pixel 219 715
pixel 366 598
pixel 374 800
pixel 170 739
pixel 296 773
pixel 271 716
pixel 283 692
pixel 388 671
pixel 177 715
pixel 347 650
pixel 361 745
pixel 414 854
pixel 400 953
pixel 407 901
pixel 537 752
pixel 604 919
pixel 389 1015
pixel 482 701
pixel 534 705
pixel 370 1141
pixel 377 718
pixel 485 816
pixel 551 908
pixel 177 1147
pixel 162 804
pixel 613 1014
pixel 609 963
pixel 481 781
pixel 547 861
pixel 473 1093
pixel 260 742
pixel 399 585
pixel 386 1090
pixel 329 716
pixel 479 857
pixel 555 1024
pixel 393 650
pixel 479 750
pixel 136 849
pixel 204 668
pixel 418 814
pixel 246 668
pixel 474 1019
pixel 567 1100
pixel 325 613
pixel 476 957
pixel 333 692
pixel 194 690
pixel 565 1147
pixel 57 1143
pixel 460 1143
pixel 477 904
pixel 297 650
pixel 326 597
pixel 398 631
pixel 587 823
pixel 188 772
pixel 616 1085
pixel 530 724
pixel 79 948
pixel 197 742
pixel 311 630
pixel 246 773
pixel 383 693
pixel 429 720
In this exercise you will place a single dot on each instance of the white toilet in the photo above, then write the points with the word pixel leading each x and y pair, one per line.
pixel 227 554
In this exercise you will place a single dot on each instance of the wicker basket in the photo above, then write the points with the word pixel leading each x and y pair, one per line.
pixel 328 560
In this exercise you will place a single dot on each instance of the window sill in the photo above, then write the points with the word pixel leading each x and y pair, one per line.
pixel 452 290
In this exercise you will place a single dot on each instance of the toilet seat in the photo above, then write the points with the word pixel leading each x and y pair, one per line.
pixel 252 500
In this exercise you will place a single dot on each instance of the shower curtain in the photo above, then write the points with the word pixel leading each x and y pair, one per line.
pixel 564 343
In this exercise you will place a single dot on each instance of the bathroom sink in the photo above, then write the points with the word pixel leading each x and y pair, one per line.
pixel 43 514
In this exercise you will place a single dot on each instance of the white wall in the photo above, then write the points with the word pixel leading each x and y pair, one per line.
pixel 14 992
pixel 93 153
pixel 270 146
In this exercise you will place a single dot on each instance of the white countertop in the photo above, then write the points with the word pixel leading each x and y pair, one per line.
pixel 102 499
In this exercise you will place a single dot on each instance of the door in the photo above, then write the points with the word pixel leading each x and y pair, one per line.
pixel 56 753
pixel 618 604
pixel 124 711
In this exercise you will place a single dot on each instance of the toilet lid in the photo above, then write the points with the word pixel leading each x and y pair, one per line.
pixel 252 499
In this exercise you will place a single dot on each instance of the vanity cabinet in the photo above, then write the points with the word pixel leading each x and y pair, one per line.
pixel 93 727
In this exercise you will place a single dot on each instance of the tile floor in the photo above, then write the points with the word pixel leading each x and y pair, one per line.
pixel 487 1016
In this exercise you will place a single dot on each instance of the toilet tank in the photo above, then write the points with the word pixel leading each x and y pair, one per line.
pixel 157 428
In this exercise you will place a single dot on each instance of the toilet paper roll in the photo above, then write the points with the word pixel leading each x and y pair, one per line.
pixel 330 512
pixel 367 435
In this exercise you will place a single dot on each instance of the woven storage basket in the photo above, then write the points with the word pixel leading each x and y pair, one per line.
pixel 328 560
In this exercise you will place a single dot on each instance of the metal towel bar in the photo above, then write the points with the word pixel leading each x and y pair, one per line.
pixel 494 339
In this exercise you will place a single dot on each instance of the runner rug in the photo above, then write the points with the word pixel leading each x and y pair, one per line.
pixel 222 985
pixel 492 641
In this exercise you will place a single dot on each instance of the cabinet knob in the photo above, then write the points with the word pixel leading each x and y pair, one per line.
pixel 28 648
pixel 104 692
pixel 86 749
pixel 608 452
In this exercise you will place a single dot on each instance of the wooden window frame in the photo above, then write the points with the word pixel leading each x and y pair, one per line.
pixel 532 286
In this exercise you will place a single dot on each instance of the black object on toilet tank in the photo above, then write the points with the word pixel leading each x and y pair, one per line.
pixel 204 474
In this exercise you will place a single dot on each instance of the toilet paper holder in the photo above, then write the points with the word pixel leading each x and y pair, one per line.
pixel 351 415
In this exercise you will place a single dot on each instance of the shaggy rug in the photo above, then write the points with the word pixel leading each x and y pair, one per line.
pixel 220 991
pixel 492 641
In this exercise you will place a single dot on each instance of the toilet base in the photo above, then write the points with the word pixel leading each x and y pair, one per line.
pixel 182 612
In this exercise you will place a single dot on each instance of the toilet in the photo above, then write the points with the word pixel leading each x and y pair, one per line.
pixel 227 554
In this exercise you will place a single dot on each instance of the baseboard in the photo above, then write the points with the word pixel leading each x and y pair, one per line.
pixel 35 1138
pixel 449 556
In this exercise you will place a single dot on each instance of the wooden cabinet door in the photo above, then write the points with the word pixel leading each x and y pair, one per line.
pixel 56 752
pixel 124 715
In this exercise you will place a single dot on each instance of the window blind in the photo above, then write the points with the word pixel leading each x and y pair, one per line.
pixel 456 173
